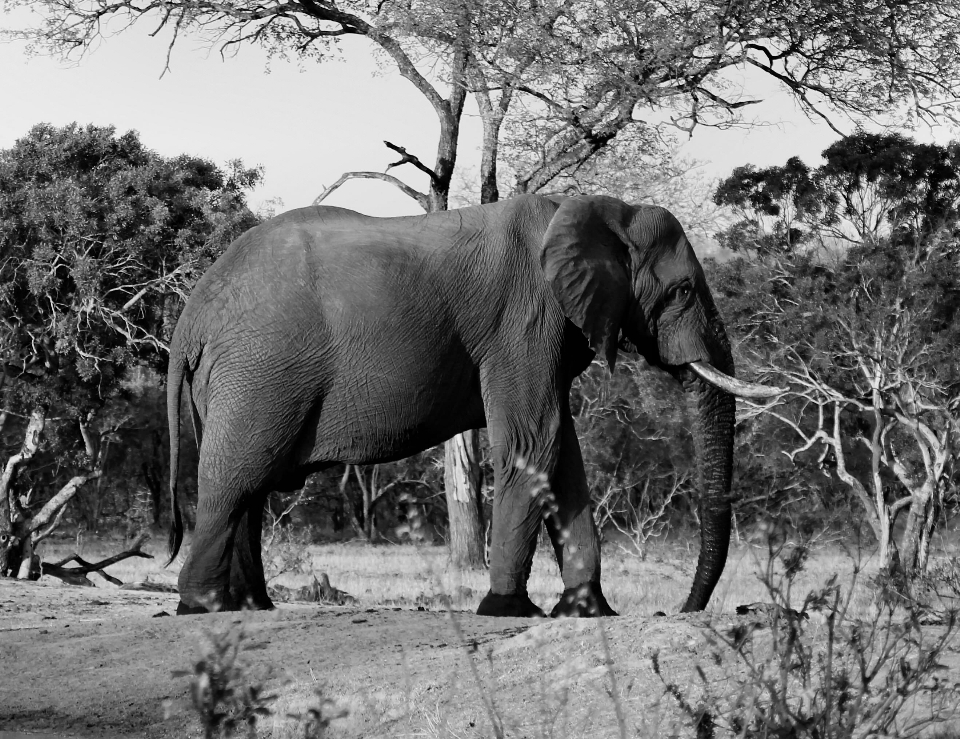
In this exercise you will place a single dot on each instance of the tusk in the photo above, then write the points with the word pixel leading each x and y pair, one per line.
pixel 732 385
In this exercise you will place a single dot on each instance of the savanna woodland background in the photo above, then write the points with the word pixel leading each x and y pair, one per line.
pixel 838 279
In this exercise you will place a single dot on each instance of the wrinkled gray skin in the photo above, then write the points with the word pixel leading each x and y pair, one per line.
pixel 324 336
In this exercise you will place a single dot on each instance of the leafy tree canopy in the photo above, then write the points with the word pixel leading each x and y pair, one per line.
pixel 99 237
pixel 583 70
pixel 870 186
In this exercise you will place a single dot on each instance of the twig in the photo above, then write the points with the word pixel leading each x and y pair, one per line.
pixel 614 691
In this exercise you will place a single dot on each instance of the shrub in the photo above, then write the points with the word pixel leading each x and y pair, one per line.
pixel 823 671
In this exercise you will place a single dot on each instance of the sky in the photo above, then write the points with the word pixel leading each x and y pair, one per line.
pixel 306 125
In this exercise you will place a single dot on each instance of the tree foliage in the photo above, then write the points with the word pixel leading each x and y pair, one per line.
pixel 97 233
pixel 866 334
pixel 581 72
pixel 101 239
pixel 870 186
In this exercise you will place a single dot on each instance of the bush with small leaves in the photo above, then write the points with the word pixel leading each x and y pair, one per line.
pixel 228 701
pixel 822 672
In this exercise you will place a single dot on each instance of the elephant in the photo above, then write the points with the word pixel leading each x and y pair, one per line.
pixel 323 336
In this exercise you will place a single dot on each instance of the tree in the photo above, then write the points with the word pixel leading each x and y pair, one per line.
pixel 789 195
pixel 642 165
pixel 606 68
pixel 878 378
pixel 870 186
pixel 865 336
pixel 583 72
pixel 889 184
pixel 374 482
pixel 100 239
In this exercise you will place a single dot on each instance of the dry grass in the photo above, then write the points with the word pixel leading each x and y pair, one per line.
pixel 408 575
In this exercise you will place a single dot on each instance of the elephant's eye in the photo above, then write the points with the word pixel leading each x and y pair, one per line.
pixel 681 293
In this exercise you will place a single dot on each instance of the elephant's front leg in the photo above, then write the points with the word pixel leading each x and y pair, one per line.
pixel 574 534
pixel 522 451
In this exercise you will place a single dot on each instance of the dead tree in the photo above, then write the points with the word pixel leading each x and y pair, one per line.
pixel 21 529
pixel 908 426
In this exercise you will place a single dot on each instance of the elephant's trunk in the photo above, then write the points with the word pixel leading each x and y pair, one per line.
pixel 713 420
pixel 713 414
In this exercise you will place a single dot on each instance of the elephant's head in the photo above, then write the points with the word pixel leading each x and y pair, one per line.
pixel 622 270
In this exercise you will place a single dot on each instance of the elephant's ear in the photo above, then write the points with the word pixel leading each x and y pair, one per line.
pixel 585 263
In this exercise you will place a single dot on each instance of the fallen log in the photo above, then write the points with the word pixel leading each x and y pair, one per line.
pixel 78 575
pixel 152 587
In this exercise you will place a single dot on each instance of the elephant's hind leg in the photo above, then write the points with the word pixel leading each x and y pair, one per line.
pixel 248 587
pixel 224 569
pixel 205 577
pixel 248 449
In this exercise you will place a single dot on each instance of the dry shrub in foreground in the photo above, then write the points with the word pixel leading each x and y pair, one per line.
pixel 227 698
pixel 817 666
pixel 230 699
pixel 822 672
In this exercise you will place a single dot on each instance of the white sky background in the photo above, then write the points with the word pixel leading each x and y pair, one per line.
pixel 307 125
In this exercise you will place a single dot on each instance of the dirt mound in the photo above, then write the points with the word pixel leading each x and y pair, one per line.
pixel 99 662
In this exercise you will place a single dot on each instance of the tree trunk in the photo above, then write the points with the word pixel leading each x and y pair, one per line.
pixel 46 521
pixel 12 537
pixel 96 449
pixel 368 492
pixel 887 549
pixel 930 523
pixel 921 519
pixel 153 476
pixel 462 472
pixel 26 559
pixel 31 442
pixel 462 475
pixel 347 503
pixel 462 478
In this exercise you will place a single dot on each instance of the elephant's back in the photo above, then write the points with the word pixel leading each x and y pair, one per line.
pixel 318 281
pixel 255 276
pixel 268 263
pixel 279 245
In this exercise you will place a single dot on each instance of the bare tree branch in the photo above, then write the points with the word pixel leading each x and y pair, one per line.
pixel 421 199
pixel 407 158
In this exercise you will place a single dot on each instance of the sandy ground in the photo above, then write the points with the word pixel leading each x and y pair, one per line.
pixel 98 662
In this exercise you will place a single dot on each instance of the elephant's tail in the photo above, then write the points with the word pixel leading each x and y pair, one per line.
pixel 175 375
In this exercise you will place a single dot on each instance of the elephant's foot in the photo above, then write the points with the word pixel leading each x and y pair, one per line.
pixel 199 601
pixel 235 600
pixel 184 610
pixel 257 604
pixel 187 610
pixel 516 606
pixel 583 601
pixel 248 601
